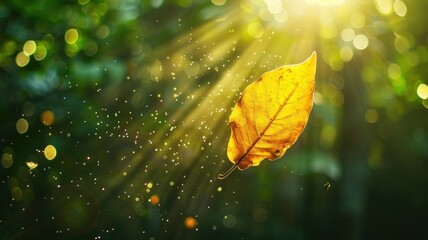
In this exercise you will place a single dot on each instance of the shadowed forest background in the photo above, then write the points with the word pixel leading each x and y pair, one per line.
pixel 114 119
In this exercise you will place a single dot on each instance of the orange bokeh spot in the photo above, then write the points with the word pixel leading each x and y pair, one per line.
pixel 154 199
pixel 47 118
pixel 190 222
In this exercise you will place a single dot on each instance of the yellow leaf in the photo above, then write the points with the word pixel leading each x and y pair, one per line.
pixel 271 114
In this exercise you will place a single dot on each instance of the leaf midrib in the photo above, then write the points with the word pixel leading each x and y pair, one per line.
pixel 267 126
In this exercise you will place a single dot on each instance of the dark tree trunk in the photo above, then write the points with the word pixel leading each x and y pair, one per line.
pixel 353 153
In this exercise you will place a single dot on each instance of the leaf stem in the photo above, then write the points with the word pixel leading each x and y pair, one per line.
pixel 228 172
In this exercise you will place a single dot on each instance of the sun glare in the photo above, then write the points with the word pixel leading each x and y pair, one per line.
pixel 326 2
pixel 280 12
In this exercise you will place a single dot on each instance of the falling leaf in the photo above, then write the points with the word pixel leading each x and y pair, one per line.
pixel 271 114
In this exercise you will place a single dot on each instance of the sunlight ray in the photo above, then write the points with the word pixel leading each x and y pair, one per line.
pixel 201 118
pixel 220 94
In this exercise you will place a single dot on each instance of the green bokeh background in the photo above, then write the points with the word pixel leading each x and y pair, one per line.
pixel 141 98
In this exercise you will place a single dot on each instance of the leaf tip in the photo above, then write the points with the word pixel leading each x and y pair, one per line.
pixel 313 57
pixel 311 61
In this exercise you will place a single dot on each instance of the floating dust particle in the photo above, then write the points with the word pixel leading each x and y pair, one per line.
pixel 327 186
